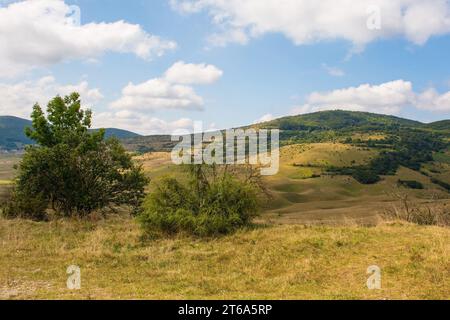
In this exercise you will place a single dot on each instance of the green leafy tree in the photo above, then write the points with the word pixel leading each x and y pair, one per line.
pixel 71 169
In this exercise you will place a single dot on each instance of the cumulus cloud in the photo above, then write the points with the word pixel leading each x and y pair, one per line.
pixel 309 21
pixel 36 33
pixel 387 98
pixel 18 99
pixel 189 73
pixel 157 94
pixel 433 101
pixel 265 118
pixel 140 123
pixel 170 91
pixel 173 90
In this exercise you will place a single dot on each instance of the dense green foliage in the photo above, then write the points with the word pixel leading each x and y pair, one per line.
pixel 322 126
pixel 205 205
pixel 340 120
pixel 365 176
pixel 410 148
pixel 411 184
pixel 71 169
pixel 440 125
pixel 334 125
pixel 406 143
pixel 441 183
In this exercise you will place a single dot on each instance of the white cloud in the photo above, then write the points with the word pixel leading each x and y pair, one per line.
pixel 157 94
pixel 188 73
pixel 18 99
pixel 170 91
pixel 333 71
pixel 36 33
pixel 265 118
pixel 387 98
pixel 140 123
pixel 433 101
pixel 309 21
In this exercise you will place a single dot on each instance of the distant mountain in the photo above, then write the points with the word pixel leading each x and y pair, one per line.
pixel 307 127
pixel 119 133
pixel 339 120
pixel 12 136
pixel 313 127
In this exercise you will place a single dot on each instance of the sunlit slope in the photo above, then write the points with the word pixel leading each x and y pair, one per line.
pixel 279 262
pixel 325 155
pixel 303 191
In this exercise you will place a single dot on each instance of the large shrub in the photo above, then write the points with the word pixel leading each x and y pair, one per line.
pixel 366 176
pixel 72 169
pixel 410 184
pixel 199 206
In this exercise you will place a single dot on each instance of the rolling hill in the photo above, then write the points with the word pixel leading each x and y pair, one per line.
pixel 12 133
pixel 440 125
pixel 315 127
pixel 339 166
pixel 340 120
pixel 12 136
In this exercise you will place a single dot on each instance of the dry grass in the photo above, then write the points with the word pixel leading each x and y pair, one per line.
pixel 282 262
pixel 431 213
pixel 7 163
pixel 325 155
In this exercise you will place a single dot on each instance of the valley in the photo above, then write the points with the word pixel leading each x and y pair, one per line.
pixel 317 232
pixel 317 150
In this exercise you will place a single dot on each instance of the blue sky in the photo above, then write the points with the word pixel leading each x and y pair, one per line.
pixel 232 63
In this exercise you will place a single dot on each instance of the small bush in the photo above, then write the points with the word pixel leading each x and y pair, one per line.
pixel 430 214
pixel 410 184
pixel 206 209
pixel 20 206
pixel 441 183
pixel 366 176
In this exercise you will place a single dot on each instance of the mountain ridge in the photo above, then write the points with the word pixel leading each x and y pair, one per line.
pixel 12 128
pixel 13 138
pixel 310 127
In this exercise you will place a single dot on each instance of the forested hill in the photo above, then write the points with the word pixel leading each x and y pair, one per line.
pixel 340 120
pixel 319 126
pixel 12 133
pixel 316 127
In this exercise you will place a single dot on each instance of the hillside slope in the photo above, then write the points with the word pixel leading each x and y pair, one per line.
pixel 440 125
pixel 339 119
pixel 12 133
pixel 314 127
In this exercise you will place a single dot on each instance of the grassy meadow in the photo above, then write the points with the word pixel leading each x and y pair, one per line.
pixel 273 262
pixel 315 239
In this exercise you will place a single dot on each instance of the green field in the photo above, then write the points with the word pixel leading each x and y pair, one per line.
pixel 302 192
pixel 315 238
pixel 277 262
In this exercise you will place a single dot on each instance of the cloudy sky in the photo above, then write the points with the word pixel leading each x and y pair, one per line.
pixel 157 66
